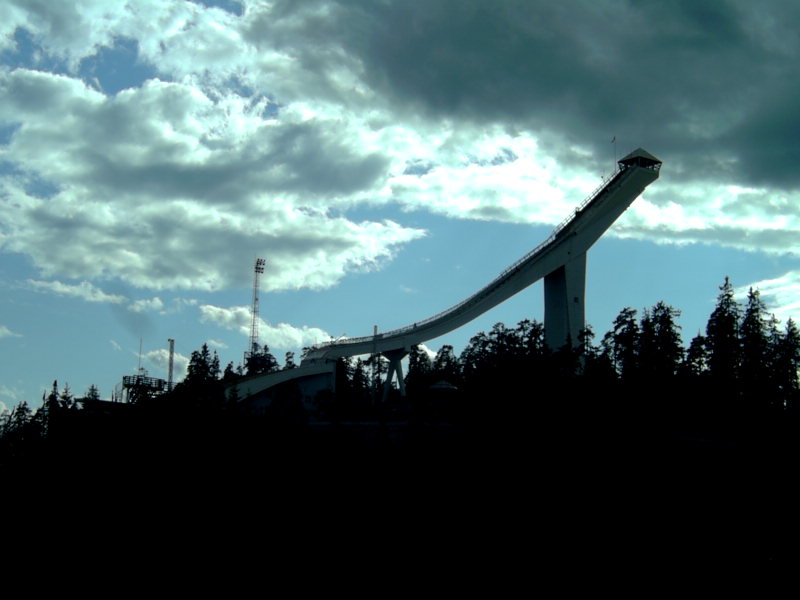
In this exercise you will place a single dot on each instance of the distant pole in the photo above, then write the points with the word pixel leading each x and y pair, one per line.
pixel 171 363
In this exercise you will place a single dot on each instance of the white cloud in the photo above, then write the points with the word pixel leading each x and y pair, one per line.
pixel 83 290
pixel 263 129
pixel 781 295
pixel 145 305
pixel 159 359
pixel 748 219
pixel 6 332
pixel 10 394
pixel 431 353
pixel 282 336
pixel 115 345
pixel 285 336
pixel 185 188
pixel 235 318
pixel 217 344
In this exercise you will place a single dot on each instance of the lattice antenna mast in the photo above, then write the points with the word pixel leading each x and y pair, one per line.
pixel 258 270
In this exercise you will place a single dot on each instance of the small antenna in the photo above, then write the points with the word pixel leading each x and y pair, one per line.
pixel 139 368
pixel 171 363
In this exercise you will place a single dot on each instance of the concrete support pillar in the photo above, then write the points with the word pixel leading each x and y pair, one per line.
pixel 564 303
pixel 395 368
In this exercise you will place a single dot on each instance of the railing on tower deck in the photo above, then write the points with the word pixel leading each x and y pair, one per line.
pixel 615 177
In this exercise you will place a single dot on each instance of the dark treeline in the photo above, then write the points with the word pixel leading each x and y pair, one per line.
pixel 745 368
pixel 633 427
pixel 727 384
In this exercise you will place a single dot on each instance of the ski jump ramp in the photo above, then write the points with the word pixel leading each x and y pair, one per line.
pixel 560 260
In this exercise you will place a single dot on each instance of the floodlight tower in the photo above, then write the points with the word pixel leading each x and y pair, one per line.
pixel 252 347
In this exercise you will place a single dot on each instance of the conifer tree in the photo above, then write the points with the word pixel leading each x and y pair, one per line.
pixel 360 379
pixel 200 366
pixel 623 340
pixel 214 370
pixel 66 398
pixel 445 365
pixel 722 336
pixel 92 394
pixel 419 370
pixel 660 345
pixel 787 364
pixel 474 358
pixel 695 362
pixel 754 338
pixel 261 361
pixel 531 336
pixel 229 373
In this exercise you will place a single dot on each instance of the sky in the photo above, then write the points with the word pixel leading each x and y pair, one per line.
pixel 386 157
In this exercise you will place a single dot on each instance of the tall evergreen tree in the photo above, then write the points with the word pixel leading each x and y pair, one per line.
pixel 596 365
pixel 445 365
pixel 200 366
pixel 722 336
pixel 787 364
pixel 418 377
pixel 531 337
pixel 754 337
pixel 660 345
pixel 695 362
pixel 229 373
pixel 66 398
pixel 474 358
pixel 623 340
pixel 92 394
pixel 378 366
pixel 261 361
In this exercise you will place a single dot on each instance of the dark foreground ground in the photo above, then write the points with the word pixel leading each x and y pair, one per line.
pixel 530 494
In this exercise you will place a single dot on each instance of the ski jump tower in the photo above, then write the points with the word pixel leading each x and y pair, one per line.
pixel 560 260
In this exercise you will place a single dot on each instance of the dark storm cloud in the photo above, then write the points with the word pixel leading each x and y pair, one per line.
pixel 704 84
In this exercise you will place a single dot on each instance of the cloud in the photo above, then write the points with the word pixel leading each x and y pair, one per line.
pixel 159 359
pixel 235 318
pixel 185 188
pixel 152 304
pixel 9 394
pixel 753 219
pixel 282 336
pixel 431 353
pixel 83 290
pixel 781 294
pixel 6 332
pixel 253 133
pixel 115 345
